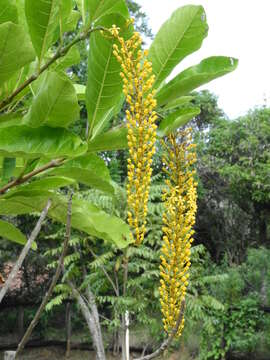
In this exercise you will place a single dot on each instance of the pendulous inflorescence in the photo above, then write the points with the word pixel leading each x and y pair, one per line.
pixel 138 80
pixel 179 198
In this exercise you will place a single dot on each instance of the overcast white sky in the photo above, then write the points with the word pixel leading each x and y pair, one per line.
pixel 237 28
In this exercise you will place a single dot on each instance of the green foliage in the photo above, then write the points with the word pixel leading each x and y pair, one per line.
pixel 39 101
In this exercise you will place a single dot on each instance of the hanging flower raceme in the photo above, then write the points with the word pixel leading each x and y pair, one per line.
pixel 140 116
pixel 178 219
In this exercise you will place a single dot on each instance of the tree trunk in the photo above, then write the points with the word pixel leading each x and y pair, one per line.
pixel 92 319
pixel 68 328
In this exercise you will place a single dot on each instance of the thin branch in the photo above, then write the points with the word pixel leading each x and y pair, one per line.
pixel 62 51
pixel 170 338
pixel 25 251
pixel 53 283
pixel 22 179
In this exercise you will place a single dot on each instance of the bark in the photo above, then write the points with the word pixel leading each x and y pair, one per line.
pixel 68 328
pixel 91 318
pixel 25 251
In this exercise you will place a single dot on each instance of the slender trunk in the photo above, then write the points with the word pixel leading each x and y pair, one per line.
pixel 68 328
pixel 25 251
pixel 92 319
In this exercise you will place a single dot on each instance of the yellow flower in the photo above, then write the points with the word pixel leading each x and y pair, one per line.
pixel 179 198
pixel 137 79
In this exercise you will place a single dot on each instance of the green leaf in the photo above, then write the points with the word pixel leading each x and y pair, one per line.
pixel 195 76
pixel 115 139
pixel 10 119
pixel 89 170
pixel 43 184
pixel 178 102
pixel 82 8
pixel 55 104
pixel 29 142
pixel 85 216
pixel 43 18
pixel 10 232
pixel 15 50
pixel 104 85
pixel 178 37
pixel 9 165
pixel 8 11
pixel 71 22
pixel 80 91
pixel 176 119
pixel 71 58
pixel 65 8
pixel 99 8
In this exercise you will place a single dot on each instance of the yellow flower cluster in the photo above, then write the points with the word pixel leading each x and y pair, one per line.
pixel 138 81
pixel 179 198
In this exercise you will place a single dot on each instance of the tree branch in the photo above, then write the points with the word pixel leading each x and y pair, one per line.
pixel 53 283
pixel 25 251
pixel 170 338
pixel 62 51
pixel 22 179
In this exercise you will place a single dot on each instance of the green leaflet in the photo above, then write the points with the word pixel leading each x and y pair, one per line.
pixel 55 104
pixel 195 76
pixel 10 232
pixel 175 120
pixel 178 37
pixel 15 50
pixel 43 18
pixel 8 11
pixel 115 139
pixel 89 169
pixel 99 8
pixel 85 216
pixel 29 142
pixel 104 84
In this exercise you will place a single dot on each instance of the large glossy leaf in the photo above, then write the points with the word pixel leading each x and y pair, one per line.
pixel 43 19
pixel 195 76
pixel 71 58
pixel 85 216
pixel 176 119
pixel 8 167
pixel 8 11
pixel 55 104
pixel 178 37
pixel 89 170
pixel 10 232
pixel 44 184
pixel 99 8
pixel 10 119
pixel 114 139
pixel 104 85
pixel 15 50
pixel 29 142
pixel 178 102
